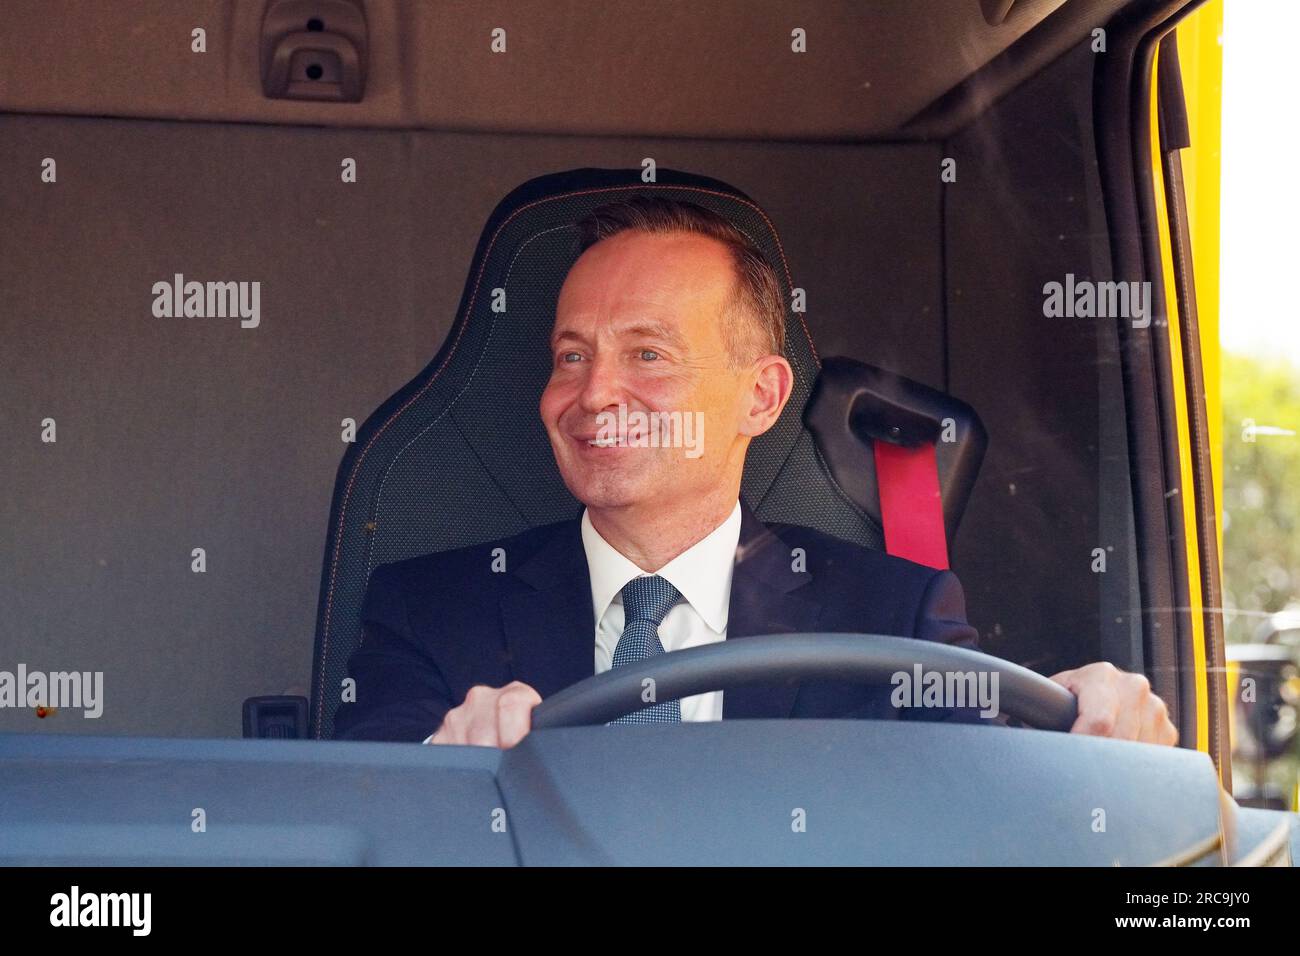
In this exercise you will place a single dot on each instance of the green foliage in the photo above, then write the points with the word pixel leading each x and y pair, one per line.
pixel 1261 490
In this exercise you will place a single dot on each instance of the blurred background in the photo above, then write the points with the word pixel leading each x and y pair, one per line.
pixel 1260 387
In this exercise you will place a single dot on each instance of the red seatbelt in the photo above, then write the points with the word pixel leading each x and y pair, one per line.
pixel 911 508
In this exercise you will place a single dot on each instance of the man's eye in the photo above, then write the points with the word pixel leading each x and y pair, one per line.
pixel 570 357
pixel 649 355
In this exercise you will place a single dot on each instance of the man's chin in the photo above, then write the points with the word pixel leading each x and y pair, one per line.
pixel 609 490
pixel 607 499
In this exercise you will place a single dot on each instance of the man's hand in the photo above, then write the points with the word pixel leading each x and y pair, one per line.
pixel 490 716
pixel 1115 703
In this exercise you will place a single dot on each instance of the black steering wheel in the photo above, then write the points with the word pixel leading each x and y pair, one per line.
pixel 859 658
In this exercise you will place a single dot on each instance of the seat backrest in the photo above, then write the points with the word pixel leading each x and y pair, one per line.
pixel 458 456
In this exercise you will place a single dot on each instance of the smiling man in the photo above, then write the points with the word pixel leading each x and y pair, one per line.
pixel 670 315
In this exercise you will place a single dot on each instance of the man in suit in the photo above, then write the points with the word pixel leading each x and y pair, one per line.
pixel 671 310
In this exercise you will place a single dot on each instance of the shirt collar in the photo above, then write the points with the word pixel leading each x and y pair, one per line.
pixel 702 573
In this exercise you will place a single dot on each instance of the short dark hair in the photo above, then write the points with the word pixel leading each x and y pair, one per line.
pixel 756 301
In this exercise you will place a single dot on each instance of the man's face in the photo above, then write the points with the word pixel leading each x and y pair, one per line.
pixel 638 323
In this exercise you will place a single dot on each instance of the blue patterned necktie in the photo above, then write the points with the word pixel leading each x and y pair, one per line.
pixel 646 602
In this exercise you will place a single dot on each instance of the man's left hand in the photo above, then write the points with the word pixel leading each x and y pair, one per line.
pixel 1115 703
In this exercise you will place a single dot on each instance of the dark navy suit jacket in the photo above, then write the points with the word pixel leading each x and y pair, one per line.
pixel 435 626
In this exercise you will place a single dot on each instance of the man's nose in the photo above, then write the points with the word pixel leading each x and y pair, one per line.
pixel 602 386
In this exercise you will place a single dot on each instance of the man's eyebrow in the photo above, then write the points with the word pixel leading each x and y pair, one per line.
pixel 644 329
pixel 559 336
pixel 657 330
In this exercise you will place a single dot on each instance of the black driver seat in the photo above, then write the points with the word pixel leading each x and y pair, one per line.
pixel 458 456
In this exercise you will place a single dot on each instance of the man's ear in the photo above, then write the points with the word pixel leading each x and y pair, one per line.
pixel 773 382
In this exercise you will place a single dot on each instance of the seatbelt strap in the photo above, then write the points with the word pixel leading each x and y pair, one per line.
pixel 911 508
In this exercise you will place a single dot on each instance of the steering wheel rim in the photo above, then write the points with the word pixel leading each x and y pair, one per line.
pixel 860 658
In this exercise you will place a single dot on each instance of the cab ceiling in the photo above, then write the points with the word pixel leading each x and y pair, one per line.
pixel 718 69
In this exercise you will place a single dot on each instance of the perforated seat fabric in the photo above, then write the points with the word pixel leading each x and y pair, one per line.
pixel 459 456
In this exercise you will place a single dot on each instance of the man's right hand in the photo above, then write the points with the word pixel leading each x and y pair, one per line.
pixel 490 716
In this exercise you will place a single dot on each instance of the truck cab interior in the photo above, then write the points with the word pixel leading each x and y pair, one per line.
pixel 203 529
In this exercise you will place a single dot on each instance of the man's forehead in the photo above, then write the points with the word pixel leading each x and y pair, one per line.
pixel 629 326
pixel 641 263
pixel 634 281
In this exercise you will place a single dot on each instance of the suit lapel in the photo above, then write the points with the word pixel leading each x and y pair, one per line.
pixel 763 601
pixel 550 631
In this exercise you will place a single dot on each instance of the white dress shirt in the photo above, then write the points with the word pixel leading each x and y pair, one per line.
pixel 702 573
